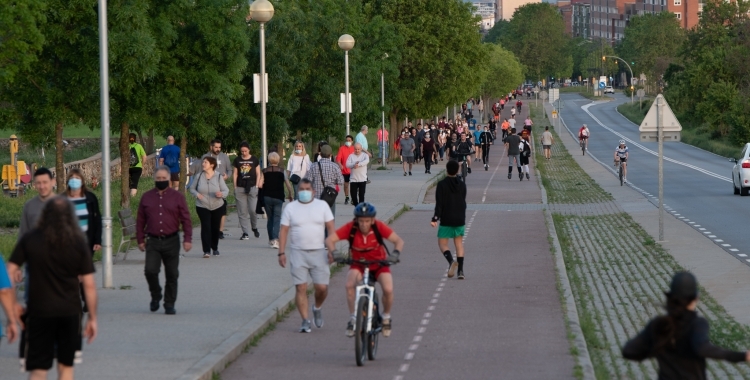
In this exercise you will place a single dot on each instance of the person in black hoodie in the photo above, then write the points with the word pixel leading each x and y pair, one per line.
pixel 679 340
pixel 450 211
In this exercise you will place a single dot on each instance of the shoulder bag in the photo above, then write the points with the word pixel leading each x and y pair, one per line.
pixel 329 193
pixel 294 178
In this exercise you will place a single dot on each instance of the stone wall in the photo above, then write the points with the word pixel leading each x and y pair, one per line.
pixel 92 168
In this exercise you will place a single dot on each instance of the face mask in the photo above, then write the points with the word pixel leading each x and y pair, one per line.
pixel 298 151
pixel 305 196
pixel 348 143
pixel 75 183
pixel 161 185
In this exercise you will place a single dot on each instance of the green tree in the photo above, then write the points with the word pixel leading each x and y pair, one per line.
pixel 20 32
pixel 536 35
pixel 496 32
pixel 504 72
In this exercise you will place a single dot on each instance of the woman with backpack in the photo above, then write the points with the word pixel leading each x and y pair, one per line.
pixel 679 340
pixel 209 190
pixel 525 148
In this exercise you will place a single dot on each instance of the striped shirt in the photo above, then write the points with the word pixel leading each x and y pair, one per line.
pixel 81 212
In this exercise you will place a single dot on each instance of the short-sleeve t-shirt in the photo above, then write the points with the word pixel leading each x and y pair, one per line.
pixel 406 147
pixel 477 133
pixel 4 279
pixel 53 274
pixel 622 152
pixel 307 223
pixel 546 138
pixel 366 247
pixel 246 171
pixel 139 151
pixel 513 143
pixel 171 156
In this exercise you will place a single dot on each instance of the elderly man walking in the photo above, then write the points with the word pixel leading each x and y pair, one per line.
pixel 357 164
pixel 362 139
pixel 303 223
pixel 325 173
pixel 160 214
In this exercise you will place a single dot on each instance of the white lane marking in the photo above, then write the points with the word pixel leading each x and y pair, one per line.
pixel 692 223
pixel 439 289
pixel 436 295
pixel 702 229
pixel 399 377
pixel 741 255
pixel 697 225
pixel 434 300
pixel 431 308
pixel 726 245
pixel 413 347
pixel 418 338
pixel 421 330
pixel 719 240
pixel 654 153
pixel 427 315
pixel 409 356
pixel 404 367
pixel 425 321
pixel 712 236
pixel 734 250
pixel 706 232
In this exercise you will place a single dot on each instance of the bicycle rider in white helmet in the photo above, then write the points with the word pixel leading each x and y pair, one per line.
pixel 621 154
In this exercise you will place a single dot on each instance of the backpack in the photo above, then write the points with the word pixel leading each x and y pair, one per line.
pixel 375 230
pixel 134 159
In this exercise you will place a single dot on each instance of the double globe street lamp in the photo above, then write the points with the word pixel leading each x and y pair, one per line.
pixel 262 12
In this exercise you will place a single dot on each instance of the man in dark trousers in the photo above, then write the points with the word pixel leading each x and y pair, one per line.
pixel 450 211
pixel 160 214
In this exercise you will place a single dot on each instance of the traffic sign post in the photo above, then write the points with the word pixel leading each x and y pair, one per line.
pixel 641 93
pixel 554 94
pixel 660 124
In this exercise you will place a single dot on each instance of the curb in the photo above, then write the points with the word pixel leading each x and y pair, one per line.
pixel 571 311
pixel 429 184
pixel 230 349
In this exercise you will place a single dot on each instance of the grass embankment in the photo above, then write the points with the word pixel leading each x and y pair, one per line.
pixel 617 272
pixel 10 212
pixel 692 134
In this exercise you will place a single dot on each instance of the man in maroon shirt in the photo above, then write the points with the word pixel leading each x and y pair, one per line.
pixel 159 216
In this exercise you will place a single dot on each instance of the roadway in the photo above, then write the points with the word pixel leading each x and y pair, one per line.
pixel 697 183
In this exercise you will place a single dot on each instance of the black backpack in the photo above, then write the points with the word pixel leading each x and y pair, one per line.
pixel 375 230
pixel 134 159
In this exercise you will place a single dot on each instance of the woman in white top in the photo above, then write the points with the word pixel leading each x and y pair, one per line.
pixel 298 164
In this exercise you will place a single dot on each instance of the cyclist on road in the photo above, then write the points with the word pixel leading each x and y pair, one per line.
pixel 505 126
pixel 621 154
pixel 512 143
pixel 463 150
pixel 583 135
pixel 365 235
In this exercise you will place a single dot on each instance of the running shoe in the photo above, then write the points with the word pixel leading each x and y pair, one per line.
pixel 527 176
pixel 509 175
pixel 221 235
pixel 469 170
pixel 206 255
pixel 318 317
pixel 404 174
pixel 244 237
pixel 409 173
pixel 350 328
pixel 346 201
pixel 256 232
pixel 461 275
pixel 305 328
pixel 275 244
pixel 452 269
pixel 78 357
pixel 216 252
pixel 386 327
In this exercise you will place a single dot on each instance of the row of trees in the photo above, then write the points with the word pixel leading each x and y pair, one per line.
pixel 185 67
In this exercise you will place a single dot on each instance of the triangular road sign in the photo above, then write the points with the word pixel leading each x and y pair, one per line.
pixel 669 121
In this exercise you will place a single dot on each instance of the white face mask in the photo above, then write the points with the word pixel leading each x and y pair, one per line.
pixel 298 151
pixel 348 143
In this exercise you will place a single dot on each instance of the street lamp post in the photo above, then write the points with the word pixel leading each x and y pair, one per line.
pixel 631 74
pixel 262 12
pixel 346 43
pixel 383 142
pixel 104 105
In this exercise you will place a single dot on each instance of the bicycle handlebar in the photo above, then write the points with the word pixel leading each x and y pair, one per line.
pixel 384 263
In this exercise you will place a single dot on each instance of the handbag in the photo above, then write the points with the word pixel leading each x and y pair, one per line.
pixel 329 194
pixel 295 178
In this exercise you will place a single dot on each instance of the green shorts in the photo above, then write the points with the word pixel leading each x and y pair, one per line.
pixel 450 232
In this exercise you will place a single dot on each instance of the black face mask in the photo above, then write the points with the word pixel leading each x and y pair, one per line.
pixel 161 185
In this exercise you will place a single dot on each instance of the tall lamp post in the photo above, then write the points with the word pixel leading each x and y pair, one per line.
pixel 262 12
pixel 346 43
pixel 631 73
pixel 104 105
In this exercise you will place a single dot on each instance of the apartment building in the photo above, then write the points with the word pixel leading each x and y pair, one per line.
pixel 506 8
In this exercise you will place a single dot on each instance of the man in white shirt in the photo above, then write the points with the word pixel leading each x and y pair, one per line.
pixel 357 164
pixel 512 122
pixel 303 226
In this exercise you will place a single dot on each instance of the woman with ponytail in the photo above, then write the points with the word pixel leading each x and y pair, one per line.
pixel 679 340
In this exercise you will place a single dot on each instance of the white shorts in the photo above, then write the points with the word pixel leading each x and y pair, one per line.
pixel 309 263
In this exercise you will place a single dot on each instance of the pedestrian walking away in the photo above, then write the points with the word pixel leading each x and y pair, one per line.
pixel 366 235
pixel 274 183
pixel 407 151
pixel 209 190
pixel 344 151
pixel 302 234
pixel 547 141
pixel 161 212
pixel 428 149
pixel 137 156
pixel 450 212
pixel 326 177
pixel 170 157
pixel 477 145
pixel 486 139
pixel 525 149
pixel 512 145
pixel 298 165
pixel 383 144
pixel 247 180
pixel 679 340
pixel 357 164
pixel 58 258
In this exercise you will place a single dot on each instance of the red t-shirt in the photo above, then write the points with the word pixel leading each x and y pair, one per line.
pixel 344 152
pixel 366 247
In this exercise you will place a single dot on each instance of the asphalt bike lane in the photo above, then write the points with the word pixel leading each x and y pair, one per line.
pixel 503 321
pixel 697 183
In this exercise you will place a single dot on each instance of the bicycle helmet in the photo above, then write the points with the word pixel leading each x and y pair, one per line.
pixel 365 210
pixel 622 142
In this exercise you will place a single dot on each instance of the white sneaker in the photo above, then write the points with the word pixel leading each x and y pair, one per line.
pixel 624 179
pixel 275 244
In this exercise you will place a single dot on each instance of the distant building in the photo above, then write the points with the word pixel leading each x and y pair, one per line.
pixel 487 10
pixel 506 8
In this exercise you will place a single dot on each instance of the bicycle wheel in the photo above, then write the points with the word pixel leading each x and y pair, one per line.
pixel 464 169
pixel 360 335
pixel 372 341
pixel 583 147
pixel 620 170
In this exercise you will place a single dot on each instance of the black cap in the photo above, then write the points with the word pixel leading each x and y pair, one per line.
pixel 684 286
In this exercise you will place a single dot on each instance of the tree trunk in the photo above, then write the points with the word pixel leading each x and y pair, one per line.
pixel 124 165
pixel 59 164
pixel 150 148
pixel 183 172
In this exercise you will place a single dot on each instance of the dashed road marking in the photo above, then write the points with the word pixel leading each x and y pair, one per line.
pixel 734 250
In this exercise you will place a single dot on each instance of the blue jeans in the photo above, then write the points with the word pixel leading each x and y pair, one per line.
pixel 383 151
pixel 273 209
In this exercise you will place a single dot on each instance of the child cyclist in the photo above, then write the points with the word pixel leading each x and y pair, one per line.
pixel 365 235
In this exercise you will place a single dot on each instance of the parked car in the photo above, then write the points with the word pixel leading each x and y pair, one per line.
pixel 741 172
pixel 575 83
pixel 609 90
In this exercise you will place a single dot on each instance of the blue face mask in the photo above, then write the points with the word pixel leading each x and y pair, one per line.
pixel 305 196
pixel 75 183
